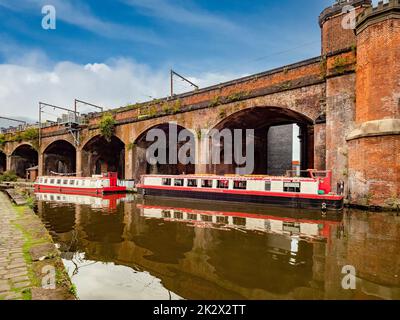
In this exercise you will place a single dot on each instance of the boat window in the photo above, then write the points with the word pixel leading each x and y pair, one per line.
pixel 237 221
pixel 192 183
pixel 192 216
pixel 223 184
pixel 45 180
pixel 59 181
pixel 293 227
pixel 223 220
pixel 166 214
pixel 65 182
pixel 178 182
pixel 291 186
pixel 267 185
pixel 206 183
pixel 166 181
pixel 206 218
pixel 71 182
pixel 240 185
pixel 178 215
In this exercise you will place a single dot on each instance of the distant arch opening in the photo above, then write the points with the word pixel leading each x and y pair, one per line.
pixel 100 156
pixel 283 140
pixel 60 157
pixel 3 162
pixel 142 166
pixel 24 157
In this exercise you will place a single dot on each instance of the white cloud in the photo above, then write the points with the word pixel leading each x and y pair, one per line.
pixel 113 83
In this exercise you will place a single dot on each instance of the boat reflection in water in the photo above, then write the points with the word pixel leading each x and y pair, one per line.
pixel 169 249
pixel 107 202
pixel 289 227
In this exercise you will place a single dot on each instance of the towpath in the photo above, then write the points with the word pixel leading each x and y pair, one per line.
pixel 25 249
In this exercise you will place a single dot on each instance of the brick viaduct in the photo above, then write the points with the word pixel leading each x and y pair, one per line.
pixel 346 102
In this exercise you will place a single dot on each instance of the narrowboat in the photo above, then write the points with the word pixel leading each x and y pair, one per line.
pixel 312 192
pixel 95 185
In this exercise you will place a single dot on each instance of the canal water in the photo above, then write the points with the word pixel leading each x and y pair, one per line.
pixel 126 247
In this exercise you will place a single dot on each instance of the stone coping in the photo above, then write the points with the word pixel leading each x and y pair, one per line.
pixel 375 128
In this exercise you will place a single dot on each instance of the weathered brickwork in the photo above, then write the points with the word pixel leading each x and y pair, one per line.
pixel 340 108
pixel 374 152
pixel 334 37
pixel 346 102
pixel 374 169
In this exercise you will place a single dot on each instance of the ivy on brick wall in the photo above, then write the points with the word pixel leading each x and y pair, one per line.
pixel 107 126
pixel 29 135
pixel 2 140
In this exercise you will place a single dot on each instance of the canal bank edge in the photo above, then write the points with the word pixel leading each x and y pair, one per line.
pixel 27 253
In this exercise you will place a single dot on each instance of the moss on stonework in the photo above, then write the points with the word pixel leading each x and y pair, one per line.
pixel 340 64
pixel 29 224
pixel 323 66
pixel 216 101
pixel 222 114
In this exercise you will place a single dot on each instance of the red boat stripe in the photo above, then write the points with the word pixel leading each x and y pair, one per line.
pixel 241 192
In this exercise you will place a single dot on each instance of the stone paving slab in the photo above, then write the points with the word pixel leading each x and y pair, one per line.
pixel 43 251
pixel 48 294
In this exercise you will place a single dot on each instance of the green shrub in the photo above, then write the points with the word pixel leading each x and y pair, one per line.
pixel 166 108
pixel 216 101
pixel 30 202
pixel 30 134
pixel 107 126
pixel 153 111
pixel 8 176
pixel 340 64
pixel 177 106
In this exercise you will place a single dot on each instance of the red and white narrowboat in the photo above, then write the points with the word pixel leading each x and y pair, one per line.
pixel 95 185
pixel 298 192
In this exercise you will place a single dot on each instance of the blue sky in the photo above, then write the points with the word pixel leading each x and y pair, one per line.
pixel 186 34
pixel 135 42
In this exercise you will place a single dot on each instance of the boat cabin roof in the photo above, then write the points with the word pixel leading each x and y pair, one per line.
pixel 230 177
pixel 75 178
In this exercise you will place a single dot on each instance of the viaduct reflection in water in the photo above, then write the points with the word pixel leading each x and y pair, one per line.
pixel 202 253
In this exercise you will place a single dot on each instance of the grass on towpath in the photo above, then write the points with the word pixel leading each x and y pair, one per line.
pixel 27 253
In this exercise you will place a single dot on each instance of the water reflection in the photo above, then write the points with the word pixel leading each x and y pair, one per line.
pixel 162 249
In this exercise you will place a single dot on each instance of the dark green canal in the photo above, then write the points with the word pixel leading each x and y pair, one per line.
pixel 130 248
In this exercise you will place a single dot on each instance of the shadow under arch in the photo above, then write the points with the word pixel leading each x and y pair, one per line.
pixel 142 166
pixel 269 123
pixel 3 162
pixel 100 156
pixel 59 157
pixel 23 157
